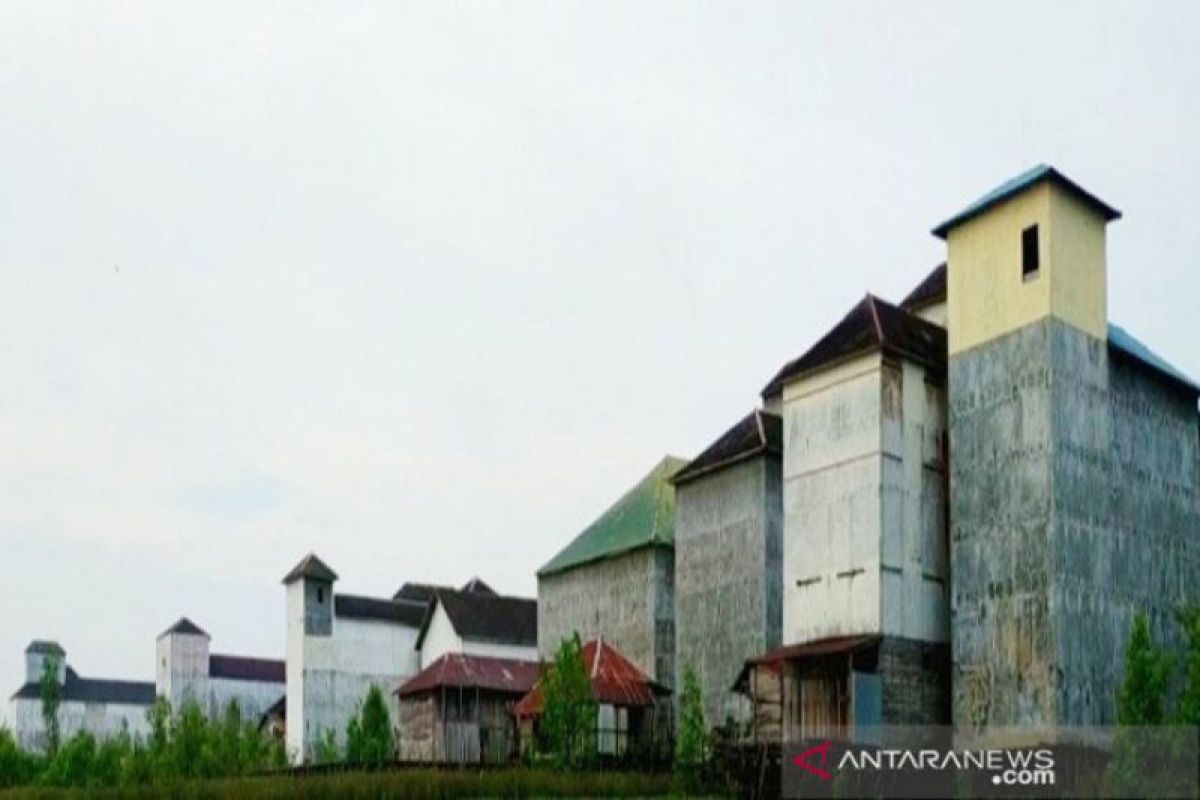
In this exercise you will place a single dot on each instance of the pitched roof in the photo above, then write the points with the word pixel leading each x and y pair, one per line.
pixel 1018 184
pixel 872 324
pixel 485 617
pixel 757 432
pixel 311 567
pixel 931 289
pixel 417 592
pixel 1124 343
pixel 614 680
pixel 94 690
pixel 831 646
pixel 243 668
pixel 477 586
pixel 461 670
pixel 645 515
pixel 45 646
pixel 185 627
pixel 404 612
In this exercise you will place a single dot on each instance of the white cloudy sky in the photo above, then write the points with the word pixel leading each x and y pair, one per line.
pixel 424 287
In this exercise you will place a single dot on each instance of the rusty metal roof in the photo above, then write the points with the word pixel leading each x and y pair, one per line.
pixel 820 648
pixel 462 670
pixel 614 679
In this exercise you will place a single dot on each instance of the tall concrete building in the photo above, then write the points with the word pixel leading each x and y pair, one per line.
pixel 616 579
pixel 729 559
pixel 1075 471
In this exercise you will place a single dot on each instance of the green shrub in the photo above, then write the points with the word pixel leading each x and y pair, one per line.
pixel 369 732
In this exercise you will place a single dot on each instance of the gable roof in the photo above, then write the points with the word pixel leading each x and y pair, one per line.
pixel 186 627
pixel 613 678
pixel 244 668
pixel 403 612
pixel 931 290
pixel 477 586
pixel 645 515
pixel 485 617
pixel 872 324
pixel 1124 343
pixel 423 592
pixel 94 690
pixel 461 670
pixel 1018 184
pixel 757 432
pixel 311 567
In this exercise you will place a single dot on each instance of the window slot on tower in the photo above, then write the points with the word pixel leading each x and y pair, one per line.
pixel 1029 252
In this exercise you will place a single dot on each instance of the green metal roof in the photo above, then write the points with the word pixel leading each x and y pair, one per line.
pixel 645 515
pixel 1013 186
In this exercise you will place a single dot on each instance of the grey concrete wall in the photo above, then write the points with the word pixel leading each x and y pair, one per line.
pixel 914 676
pixel 1074 486
pixel 728 566
pixel 627 599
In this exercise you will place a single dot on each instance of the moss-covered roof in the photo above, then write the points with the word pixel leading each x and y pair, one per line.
pixel 645 515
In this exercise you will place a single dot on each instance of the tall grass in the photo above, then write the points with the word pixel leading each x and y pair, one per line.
pixel 417 784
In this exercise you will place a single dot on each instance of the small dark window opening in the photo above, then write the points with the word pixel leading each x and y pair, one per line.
pixel 1029 252
pixel 320 595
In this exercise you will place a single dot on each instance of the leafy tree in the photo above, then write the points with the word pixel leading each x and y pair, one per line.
pixel 191 743
pixel 369 732
pixel 689 749
pixel 569 714
pixel 326 750
pixel 1140 700
pixel 227 741
pixel 1187 711
pixel 17 767
pixel 51 694
pixel 72 764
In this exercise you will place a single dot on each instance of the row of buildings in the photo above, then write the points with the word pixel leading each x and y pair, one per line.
pixel 945 510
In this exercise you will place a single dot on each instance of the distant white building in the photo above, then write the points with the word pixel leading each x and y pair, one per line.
pixel 102 707
pixel 339 645
pixel 187 671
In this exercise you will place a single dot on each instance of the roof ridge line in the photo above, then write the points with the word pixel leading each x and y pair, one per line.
pixel 875 317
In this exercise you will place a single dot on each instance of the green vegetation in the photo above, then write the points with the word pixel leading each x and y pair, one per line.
pixel 417 784
pixel 1141 698
pixel 690 744
pixel 369 733
pixel 51 694
pixel 568 714
pixel 186 745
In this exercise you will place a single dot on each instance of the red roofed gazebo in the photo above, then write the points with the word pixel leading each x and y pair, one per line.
pixel 629 707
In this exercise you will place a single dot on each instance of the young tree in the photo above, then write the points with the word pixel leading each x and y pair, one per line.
pixel 51 694
pixel 369 732
pixel 568 713
pixel 1187 711
pixel 1140 700
pixel 689 749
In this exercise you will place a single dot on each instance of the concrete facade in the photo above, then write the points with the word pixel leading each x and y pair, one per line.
pixel 102 720
pixel 186 671
pixel 728 573
pixel 442 638
pixel 627 599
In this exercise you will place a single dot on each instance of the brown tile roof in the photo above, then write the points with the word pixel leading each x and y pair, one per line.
pixel 872 324
pixel 757 432
pixel 462 670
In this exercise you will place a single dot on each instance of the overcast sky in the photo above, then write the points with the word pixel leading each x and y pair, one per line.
pixel 424 288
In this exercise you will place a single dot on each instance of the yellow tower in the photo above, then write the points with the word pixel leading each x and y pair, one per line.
pixel 1032 248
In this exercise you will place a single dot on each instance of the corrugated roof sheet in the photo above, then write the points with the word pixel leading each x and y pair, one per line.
pixel 757 432
pixel 461 670
pixel 243 668
pixel 404 612
pixel 872 324
pixel 831 646
pixel 485 617
pixel 645 515
pixel 94 690
pixel 931 290
pixel 1013 186
pixel 614 680
pixel 1124 342
pixel 311 567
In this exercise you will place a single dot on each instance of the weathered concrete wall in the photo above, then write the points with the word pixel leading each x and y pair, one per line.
pixel 915 679
pixel 728 567
pixel 418 728
pixel 102 720
pixel 1074 503
pixel 865 548
pixel 253 697
pixel 181 670
pixel 628 600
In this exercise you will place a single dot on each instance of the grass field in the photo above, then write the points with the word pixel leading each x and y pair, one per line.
pixel 383 785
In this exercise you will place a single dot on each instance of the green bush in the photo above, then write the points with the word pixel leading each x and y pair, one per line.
pixel 568 712
pixel 369 732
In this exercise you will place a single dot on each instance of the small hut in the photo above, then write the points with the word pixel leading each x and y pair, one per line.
pixel 633 712
pixel 458 710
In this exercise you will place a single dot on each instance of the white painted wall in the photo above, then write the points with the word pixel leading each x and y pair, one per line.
pixel 864 499
pixel 253 697
pixel 498 650
pixel 102 720
pixel 440 638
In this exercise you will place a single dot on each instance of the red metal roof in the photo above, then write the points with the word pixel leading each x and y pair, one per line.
pixel 615 681
pixel 461 670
